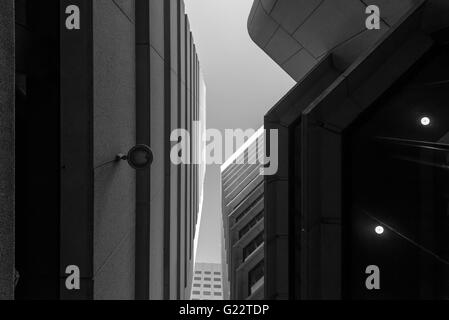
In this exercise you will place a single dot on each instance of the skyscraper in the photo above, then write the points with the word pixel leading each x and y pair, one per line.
pixel 90 80
pixel 362 138
pixel 207 282
pixel 243 221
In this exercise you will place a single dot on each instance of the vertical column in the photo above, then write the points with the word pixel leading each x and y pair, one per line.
pixel 7 64
pixel 187 168
pixel 167 145
pixel 143 136
pixel 174 169
pixel 157 133
pixel 76 146
pixel 181 173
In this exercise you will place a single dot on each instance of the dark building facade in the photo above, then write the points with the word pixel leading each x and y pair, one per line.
pixel 362 179
pixel 84 91
pixel 243 221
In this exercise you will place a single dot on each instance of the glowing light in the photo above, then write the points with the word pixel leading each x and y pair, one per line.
pixel 425 121
pixel 379 229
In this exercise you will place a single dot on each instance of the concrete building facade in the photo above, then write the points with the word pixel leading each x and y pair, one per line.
pixel 354 141
pixel 86 90
pixel 243 221
pixel 207 282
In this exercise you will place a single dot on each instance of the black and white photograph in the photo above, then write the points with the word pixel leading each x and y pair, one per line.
pixel 222 155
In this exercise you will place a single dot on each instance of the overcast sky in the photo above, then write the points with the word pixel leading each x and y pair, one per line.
pixel 243 83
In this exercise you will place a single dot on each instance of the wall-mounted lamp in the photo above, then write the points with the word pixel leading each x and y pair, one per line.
pixel 139 157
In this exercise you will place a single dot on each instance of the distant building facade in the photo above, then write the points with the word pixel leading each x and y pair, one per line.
pixel 362 138
pixel 207 282
pixel 84 91
pixel 243 221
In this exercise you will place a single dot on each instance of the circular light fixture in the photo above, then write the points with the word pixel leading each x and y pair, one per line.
pixel 379 230
pixel 425 121
pixel 139 157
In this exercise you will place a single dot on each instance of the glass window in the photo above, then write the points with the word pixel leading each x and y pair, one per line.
pixel 206 286
pixel 207 279
pixel 207 272
pixel 218 294
pixel 196 292
pixel 206 293
pixel 217 273
pixel 253 245
pixel 254 276
pixel 197 272
pixel 197 285
pixel 217 286
pixel 217 279
pixel 197 278
pixel 250 225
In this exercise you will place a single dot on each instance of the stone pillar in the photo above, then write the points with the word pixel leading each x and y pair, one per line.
pixel 7 96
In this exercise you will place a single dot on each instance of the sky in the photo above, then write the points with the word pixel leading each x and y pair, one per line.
pixel 242 82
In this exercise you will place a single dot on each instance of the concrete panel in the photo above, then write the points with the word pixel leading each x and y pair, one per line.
pixel 346 53
pixel 115 280
pixel 156 248
pixel 174 45
pixel 128 8
pixel 157 26
pixel 293 13
pixel 282 46
pixel 262 27
pixel 396 64
pixel 114 208
pixel 331 24
pixel 114 132
pixel 268 5
pixel 157 123
pixel 114 82
pixel 392 11
pixel 7 96
pixel 299 65
pixel 174 196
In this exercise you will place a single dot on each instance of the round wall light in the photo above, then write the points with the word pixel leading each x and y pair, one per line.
pixel 139 157
pixel 425 121
pixel 379 230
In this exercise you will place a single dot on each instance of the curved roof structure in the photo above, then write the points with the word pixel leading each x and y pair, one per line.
pixel 299 33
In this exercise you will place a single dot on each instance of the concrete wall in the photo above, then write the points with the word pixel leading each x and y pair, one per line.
pixel 298 34
pixel 172 87
pixel 157 101
pixel 303 246
pixel 6 150
pixel 114 132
